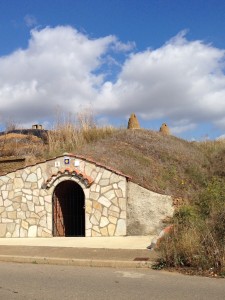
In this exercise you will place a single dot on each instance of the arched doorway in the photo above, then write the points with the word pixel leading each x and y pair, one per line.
pixel 68 209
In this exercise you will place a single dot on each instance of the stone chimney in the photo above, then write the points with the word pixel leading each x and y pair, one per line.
pixel 133 122
pixel 164 129
pixel 36 126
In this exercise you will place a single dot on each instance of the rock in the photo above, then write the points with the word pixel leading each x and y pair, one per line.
pixel 111 229
pixel 2 230
pixel 32 231
pixel 104 222
pixel 104 201
pixel 120 228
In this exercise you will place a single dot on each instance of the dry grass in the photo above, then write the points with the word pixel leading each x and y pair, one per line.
pixel 18 137
pixel 68 138
pixel 215 152
pixel 191 171
pixel 160 163
pixel 198 236
pixel 196 245
pixel 13 144
pixel 163 164
pixel 71 132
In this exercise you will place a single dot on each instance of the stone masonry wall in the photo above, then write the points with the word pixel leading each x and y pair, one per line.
pixel 26 202
pixel 146 210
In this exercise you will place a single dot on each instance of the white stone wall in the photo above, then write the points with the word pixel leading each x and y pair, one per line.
pixel 146 210
pixel 106 205
pixel 26 207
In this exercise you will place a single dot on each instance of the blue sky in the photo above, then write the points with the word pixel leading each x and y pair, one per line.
pixel 163 60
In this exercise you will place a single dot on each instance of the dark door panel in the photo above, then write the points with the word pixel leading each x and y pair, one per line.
pixel 68 207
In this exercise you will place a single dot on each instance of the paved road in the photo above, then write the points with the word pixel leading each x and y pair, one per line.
pixel 32 281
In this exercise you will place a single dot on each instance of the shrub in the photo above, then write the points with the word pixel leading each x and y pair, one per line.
pixel 198 236
pixel 212 199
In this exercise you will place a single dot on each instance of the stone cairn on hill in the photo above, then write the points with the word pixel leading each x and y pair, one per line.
pixel 133 122
pixel 164 129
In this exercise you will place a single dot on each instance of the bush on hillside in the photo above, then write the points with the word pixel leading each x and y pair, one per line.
pixel 198 236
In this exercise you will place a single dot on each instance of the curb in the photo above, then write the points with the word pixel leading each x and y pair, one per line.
pixel 76 262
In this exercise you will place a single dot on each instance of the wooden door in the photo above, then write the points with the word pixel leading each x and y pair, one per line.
pixel 68 210
pixel 58 221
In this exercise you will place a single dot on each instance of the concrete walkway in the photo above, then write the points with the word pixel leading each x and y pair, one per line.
pixel 129 251
pixel 127 242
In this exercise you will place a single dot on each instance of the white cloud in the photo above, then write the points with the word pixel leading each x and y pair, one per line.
pixel 30 20
pixel 122 47
pixel 221 137
pixel 182 127
pixel 182 81
pixel 55 70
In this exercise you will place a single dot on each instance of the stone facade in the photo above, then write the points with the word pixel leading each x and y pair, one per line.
pixel 26 208
pixel 113 205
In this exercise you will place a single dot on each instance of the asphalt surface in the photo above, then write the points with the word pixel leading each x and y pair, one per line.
pixel 38 282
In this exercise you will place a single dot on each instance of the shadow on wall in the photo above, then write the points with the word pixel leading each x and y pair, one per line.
pixel 136 228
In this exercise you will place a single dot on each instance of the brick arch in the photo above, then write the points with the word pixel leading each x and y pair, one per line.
pixel 68 174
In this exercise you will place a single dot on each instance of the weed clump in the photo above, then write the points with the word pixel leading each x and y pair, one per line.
pixel 198 236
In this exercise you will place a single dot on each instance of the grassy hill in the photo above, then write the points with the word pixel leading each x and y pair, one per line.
pixel 192 172
pixel 158 162
pixel 163 164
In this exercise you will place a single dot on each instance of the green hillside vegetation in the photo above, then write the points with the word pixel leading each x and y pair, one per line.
pixel 193 173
